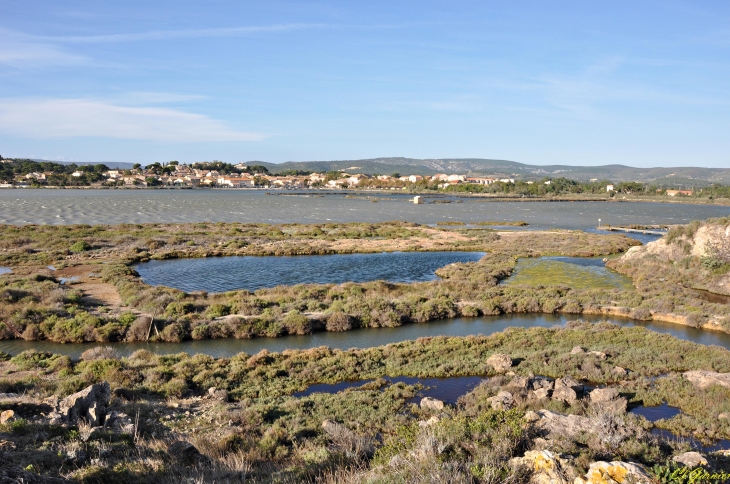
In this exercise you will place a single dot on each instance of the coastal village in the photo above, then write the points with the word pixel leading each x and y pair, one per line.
pixel 206 175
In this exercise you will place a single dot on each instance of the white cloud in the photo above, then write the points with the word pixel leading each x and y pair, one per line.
pixel 68 118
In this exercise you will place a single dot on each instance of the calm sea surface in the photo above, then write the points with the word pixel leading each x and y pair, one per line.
pixel 28 206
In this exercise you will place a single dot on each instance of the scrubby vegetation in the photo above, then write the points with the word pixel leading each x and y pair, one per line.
pixel 366 434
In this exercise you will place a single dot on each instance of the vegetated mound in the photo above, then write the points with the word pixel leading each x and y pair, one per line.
pixel 705 242
pixel 685 273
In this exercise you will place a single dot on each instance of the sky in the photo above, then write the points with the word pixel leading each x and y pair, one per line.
pixel 560 82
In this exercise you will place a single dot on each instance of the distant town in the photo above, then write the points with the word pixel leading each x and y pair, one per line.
pixel 15 173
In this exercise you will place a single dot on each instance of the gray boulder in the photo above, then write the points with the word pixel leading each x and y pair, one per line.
pixel 90 404
pixel 608 399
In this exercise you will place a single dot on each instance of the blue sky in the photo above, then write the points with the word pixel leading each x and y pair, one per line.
pixel 637 83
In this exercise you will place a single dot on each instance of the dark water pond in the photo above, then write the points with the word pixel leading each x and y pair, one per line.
pixel 445 389
pixel 575 272
pixel 652 414
pixel 220 274
pixel 721 444
pixel 364 338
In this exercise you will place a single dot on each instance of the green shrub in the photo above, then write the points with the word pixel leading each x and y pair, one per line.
pixel 80 246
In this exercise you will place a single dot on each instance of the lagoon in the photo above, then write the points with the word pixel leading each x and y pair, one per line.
pixel 221 274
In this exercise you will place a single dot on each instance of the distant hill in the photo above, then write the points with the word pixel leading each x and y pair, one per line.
pixel 513 169
pixel 114 165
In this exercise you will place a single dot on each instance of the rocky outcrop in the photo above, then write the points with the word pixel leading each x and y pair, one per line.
pixel 89 405
pixel 7 416
pixel 500 362
pixel 616 472
pixel 705 379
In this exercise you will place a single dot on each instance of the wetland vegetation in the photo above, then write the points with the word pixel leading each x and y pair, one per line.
pixel 237 419
pixel 109 302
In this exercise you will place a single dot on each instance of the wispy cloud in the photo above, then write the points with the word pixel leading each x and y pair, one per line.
pixel 69 118
pixel 173 34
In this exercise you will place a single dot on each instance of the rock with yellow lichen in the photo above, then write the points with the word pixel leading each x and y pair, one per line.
pixel 546 467
pixel 616 472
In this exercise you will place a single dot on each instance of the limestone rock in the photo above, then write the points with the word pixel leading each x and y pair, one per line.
pixel 433 404
pixel 608 399
pixel 598 354
pixel 519 383
pixel 500 362
pixel 539 394
pixel 119 422
pixel 565 394
pixel 542 383
pixel 690 459
pixel 705 379
pixel 616 472
pixel 89 404
pixel 556 424
pixel 577 350
pixel 77 457
pixel 218 394
pixel 724 416
pixel 8 396
pixel 546 467
pixel 7 416
pixel 502 401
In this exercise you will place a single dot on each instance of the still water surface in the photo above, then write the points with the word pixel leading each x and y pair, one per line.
pixel 220 274
pixel 364 338
pixel 179 206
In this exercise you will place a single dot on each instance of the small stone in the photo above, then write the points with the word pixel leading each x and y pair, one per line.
pixel 620 372
pixel 429 422
pixel 77 457
pixel 565 394
pixel 724 416
pixel 428 403
pixel 690 459
pixel 577 350
pixel 500 362
pixel 218 394
pixel 7 416
pixel 185 453
pixel 598 354
pixel 540 383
